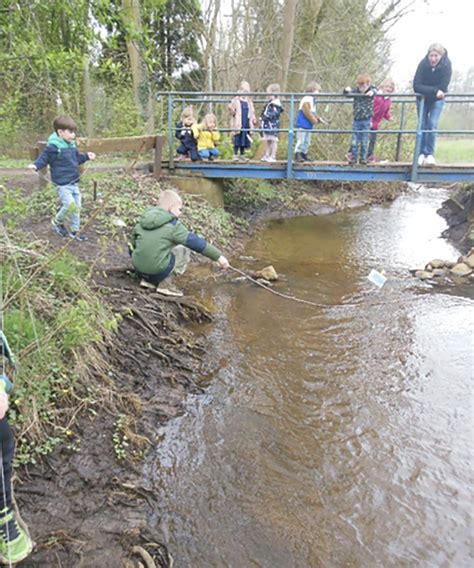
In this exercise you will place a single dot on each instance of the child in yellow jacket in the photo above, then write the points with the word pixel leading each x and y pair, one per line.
pixel 207 137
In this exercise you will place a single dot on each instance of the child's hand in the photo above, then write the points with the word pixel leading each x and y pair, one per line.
pixel 91 155
pixel 3 404
pixel 369 94
pixel 347 90
pixel 32 167
pixel 223 262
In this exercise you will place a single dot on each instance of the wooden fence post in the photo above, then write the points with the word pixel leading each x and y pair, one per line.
pixel 43 181
pixel 157 157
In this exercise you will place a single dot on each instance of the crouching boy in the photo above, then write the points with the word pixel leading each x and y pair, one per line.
pixel 161 244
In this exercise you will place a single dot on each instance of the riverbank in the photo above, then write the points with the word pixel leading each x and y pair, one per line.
pixel 89 499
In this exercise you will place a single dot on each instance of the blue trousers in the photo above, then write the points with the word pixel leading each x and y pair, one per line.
pixel 429 121
pixel 70 198
pixel 360 137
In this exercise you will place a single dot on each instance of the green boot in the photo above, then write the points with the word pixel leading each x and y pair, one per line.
pixel 15 541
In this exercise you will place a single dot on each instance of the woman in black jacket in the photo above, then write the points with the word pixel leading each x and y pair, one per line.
pixel 431 80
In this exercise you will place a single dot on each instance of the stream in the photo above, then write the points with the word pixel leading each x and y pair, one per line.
pixel 338 436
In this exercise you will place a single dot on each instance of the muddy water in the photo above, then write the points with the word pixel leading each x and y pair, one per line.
pixel 338 436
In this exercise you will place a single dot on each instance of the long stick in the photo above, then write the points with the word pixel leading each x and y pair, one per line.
pixel 286 296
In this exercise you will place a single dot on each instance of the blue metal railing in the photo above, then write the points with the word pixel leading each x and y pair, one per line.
pixel 218 103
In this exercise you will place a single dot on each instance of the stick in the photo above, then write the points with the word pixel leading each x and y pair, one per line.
pixel 286 296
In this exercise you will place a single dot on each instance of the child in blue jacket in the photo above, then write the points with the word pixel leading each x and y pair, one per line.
pixel 64 159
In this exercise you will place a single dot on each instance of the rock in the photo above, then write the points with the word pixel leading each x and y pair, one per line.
pixel 423 274
pixel 440 272
pixel 450 263
pixel 461 269
pixel 437 263
pixel 267 273
pixel 428 267
pixel 470 261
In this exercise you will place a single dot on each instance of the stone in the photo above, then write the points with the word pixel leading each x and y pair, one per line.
pixel 450 263
pixel 461 269
pixel 437 263
pixel 440 272
pixel 267 273
pixel 423 274
pixel 470 261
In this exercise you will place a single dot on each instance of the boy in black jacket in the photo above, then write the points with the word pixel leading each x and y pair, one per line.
pixel 63 158
pixel 363 110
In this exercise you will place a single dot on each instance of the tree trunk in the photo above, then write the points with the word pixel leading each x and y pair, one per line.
pixel 289 13
pixel 131 15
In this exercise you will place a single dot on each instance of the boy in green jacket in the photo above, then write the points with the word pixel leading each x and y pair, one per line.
pixel 160 244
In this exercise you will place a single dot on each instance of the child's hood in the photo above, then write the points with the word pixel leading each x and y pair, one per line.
pixel 154 218
pixel 55 140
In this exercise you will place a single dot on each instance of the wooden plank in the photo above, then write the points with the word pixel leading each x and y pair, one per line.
pixel 158 156
pixel 125 144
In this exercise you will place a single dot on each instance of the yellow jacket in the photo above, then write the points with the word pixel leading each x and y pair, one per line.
pixel 206 139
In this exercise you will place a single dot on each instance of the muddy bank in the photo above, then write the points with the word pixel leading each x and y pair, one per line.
pixel 90 506
pixel 458 211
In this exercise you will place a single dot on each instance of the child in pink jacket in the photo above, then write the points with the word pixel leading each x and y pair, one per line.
pixel 382 111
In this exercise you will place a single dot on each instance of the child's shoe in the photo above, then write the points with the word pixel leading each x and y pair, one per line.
pixel 270 159
pixel 15 542
pixel 363 162
pixel 371 159
pixel 211 158
pixel 59 228
pixel 235 158
pixel 421 160
pixel 306 158
pixel 180 157
pixel 145 284
pixel 78 236
pixel 299 157
pixel 430 160
pixel 352 161
pixel 169 290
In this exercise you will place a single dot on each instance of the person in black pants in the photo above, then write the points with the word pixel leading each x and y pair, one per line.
pixel 15 541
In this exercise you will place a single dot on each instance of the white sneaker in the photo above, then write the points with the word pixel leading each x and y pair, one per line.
pixel 271 160
pixel 170 291
pixel 430 161
pixel 421 160
pixel 264 159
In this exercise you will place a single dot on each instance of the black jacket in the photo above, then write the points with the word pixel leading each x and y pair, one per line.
pixel 429 80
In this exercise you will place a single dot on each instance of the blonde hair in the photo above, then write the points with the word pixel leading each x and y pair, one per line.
pixel 364 78
pixel 244 87
pixel 187 112
pixel 168 198
pixel 207 119
pixel 388 82
pixel 438 48
pixel 312 87
pixel 273 89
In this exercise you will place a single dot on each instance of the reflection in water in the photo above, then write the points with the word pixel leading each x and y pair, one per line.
pixel 337 436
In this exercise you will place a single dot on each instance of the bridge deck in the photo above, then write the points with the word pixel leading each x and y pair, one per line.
pixel 379 171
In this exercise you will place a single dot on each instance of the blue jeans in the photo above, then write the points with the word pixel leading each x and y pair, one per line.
pixel 303 141
pixel 70 198
pixel 209 152
pixel 429 121
pixel 359 137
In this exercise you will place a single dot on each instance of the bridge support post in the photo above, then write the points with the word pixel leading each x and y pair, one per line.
pixel 419 135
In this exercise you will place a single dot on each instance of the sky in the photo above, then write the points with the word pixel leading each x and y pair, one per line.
pixel 449 22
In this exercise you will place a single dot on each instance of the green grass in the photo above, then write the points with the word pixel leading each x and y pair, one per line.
pixel 455 150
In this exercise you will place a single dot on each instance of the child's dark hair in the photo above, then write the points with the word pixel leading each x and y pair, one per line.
pixel 64 122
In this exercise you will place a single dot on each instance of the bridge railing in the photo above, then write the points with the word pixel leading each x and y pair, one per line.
pixel 336 107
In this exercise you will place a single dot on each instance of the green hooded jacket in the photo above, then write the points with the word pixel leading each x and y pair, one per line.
pixel 155 235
